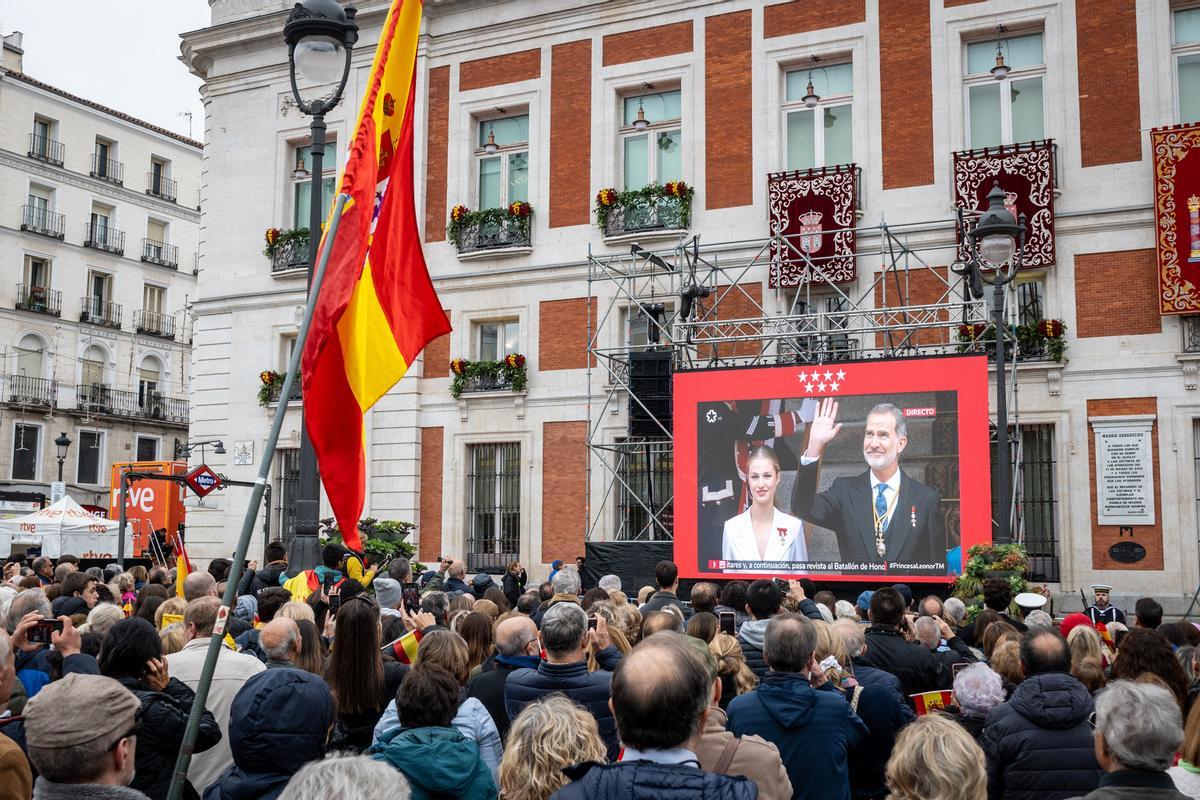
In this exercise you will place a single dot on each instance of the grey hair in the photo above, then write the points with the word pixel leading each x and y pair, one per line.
pixel 101 618
pixel 789 643
pixel 853 635
pixel 514 642
pixel 977 689
pixel 610 583
pixel 1038 619
pixel 348 778
pixel 5 651
pixel 566 581
pixel 285 644
pixel 27 602
pixel 955 609
pixel 844 609
pixel 897 414
pixel 928 632
pixel 563 627
pixel 1146 740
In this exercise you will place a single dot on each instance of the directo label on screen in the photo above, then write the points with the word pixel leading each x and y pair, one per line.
pixel 920 412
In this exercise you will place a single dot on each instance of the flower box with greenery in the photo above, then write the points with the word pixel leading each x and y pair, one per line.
pixel 1009 562
pixel 653 207
pixel 382 538
pixel 1044 339
pixel 272 385
pixel 490 228
pixel 287 249
pixel 482 376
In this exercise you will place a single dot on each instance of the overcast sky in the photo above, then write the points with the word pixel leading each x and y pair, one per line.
pixel 121 53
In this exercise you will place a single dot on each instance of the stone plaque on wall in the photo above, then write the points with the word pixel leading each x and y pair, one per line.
pixel 1124 470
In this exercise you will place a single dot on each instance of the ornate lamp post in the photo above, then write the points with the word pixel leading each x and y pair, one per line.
pixel 994 242
pixel 320 36
pixel 63 443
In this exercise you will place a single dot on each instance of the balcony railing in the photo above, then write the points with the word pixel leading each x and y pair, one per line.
pixel 104 237
pixel 161 253
pixel 649 214
pixel 494 234
pixel 46 149
pixel 158 186
pixel 276 390
pixel 100 399
pixel 44 221
pixel 153 323
pixel 1191 334
pixel 100 312
pixel 290 254
pixel 39 300
pixel 108 169
pixel 487 383
pixel 28 391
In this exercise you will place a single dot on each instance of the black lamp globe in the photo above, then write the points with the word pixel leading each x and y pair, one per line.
pixel 320 36
pixel 997 230
pixel 62 443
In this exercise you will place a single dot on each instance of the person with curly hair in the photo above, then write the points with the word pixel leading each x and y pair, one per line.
pixel 549 734
pixel 936 759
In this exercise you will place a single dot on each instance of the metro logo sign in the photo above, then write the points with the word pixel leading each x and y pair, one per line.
pixel 202 480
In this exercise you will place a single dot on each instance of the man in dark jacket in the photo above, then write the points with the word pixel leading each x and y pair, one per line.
pixel 666 575
pixel 763 601
pixel 814 730
pixel 1039 744
pixel 565 636
pixel 280 721
pixel 269 576
pixel 516 648
pixel 889 647
pixel 660 695
pixel 853 636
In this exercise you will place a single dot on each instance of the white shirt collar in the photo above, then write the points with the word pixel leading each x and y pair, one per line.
pixel 677 755
pixel 892 482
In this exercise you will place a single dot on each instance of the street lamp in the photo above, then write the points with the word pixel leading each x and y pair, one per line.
pixel 184 449
pixel 63 443
pixel 996 238
pixel 320 35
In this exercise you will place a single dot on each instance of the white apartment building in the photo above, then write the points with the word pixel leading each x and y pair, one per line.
pixel 550 102
pixel 99 230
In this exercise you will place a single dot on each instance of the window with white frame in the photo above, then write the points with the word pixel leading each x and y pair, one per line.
pixel 1186 49
pixel 493 500
pixel 26 453
pixel 1010 110
pixel 820 134
pixel 496 339
pixel 147 448
pixel 503 174
pixel 89 455
pixel 37 271
pixel 302 182
pixel 31 357
pixel 651 138
pixel 92 367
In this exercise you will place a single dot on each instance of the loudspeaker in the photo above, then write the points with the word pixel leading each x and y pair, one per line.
pixel 650 383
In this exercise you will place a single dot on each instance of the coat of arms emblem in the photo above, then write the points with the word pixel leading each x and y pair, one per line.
pixel 810 232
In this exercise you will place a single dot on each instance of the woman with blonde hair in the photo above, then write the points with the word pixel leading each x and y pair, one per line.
pixel 936 759
pixel 1186 774
pixel 1006 660
pixel 295 610
pixel 1085 642
pixel 173 638
pixel 549 734
pixel 175 606
pixel 606 610
pixel 734 673
pixel 643 595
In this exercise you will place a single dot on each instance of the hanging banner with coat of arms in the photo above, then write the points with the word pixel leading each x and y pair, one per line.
pixel 1026 174
pixel 812 225
pixel 1177 216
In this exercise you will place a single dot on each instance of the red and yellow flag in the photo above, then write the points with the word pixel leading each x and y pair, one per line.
pixel 377 308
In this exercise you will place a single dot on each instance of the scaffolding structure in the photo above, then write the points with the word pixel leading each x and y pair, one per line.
pixel 706 306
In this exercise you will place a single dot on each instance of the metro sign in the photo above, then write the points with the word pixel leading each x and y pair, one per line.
pixel 202 480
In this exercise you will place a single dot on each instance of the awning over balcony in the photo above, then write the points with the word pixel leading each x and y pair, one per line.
pixel 1026 173
pixel 812 225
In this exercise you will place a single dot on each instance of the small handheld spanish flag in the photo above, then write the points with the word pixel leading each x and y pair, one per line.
pixel 405 648
pixel 925 702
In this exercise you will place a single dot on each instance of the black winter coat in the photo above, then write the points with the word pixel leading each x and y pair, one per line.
pixel 1039 745
pixel 265 578
pixel 647 780
pixel 164 719
pixel 589 689
pixel 514 587
pixel 911 662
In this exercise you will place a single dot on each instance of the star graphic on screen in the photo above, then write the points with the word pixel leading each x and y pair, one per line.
pixel 828 376
pixel 803 377
pixel 841 375
pixel 833 387
pixel 820 387
pixel 711 416
pixel 808 388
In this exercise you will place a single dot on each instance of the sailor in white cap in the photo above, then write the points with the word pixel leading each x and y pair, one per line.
pixel 1029 601
pixel 1101 611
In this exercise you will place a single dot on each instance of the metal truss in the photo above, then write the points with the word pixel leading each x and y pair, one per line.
pixel 710 308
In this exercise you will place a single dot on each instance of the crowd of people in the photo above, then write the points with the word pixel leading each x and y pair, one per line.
pixel 354 680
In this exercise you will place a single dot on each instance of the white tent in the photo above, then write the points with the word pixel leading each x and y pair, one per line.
pixel 64 527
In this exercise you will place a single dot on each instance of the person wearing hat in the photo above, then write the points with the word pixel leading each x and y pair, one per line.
pixel 1100 610
pixel 390 596
pixel 81 735
pixel 863 605
pixel 1029 601
pixel 480 584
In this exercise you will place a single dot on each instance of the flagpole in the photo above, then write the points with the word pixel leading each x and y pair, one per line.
pixel 260 483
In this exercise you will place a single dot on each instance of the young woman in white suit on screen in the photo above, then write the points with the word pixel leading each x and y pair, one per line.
pixel 763 532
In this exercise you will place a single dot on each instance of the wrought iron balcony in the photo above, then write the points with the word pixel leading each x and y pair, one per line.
pixel 291 254
pixel 24 390
pixel 39 300
pixel 104 237
pixel 487 383
pixel 46 149
pixel 1191 334
pixel 108 169
pixel 494 235
pixel 649 214
pixel 44 221
pixel 277 389
pixel 153 323
pixel 161 253
pixel 100 312
pixel 158 186
pixel 100 399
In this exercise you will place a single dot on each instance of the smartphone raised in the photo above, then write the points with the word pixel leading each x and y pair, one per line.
pixel 41 630
pixel 728 620
pixel 591 623
pixel 412 597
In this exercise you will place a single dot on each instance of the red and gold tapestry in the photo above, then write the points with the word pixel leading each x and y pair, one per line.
pixel 812 225
pixel 1026 174
pixel 1177 216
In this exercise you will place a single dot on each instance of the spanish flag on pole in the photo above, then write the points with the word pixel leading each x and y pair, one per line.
pixel 377 308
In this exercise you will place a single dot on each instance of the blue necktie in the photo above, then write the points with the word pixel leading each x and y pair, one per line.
pixel 881 506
